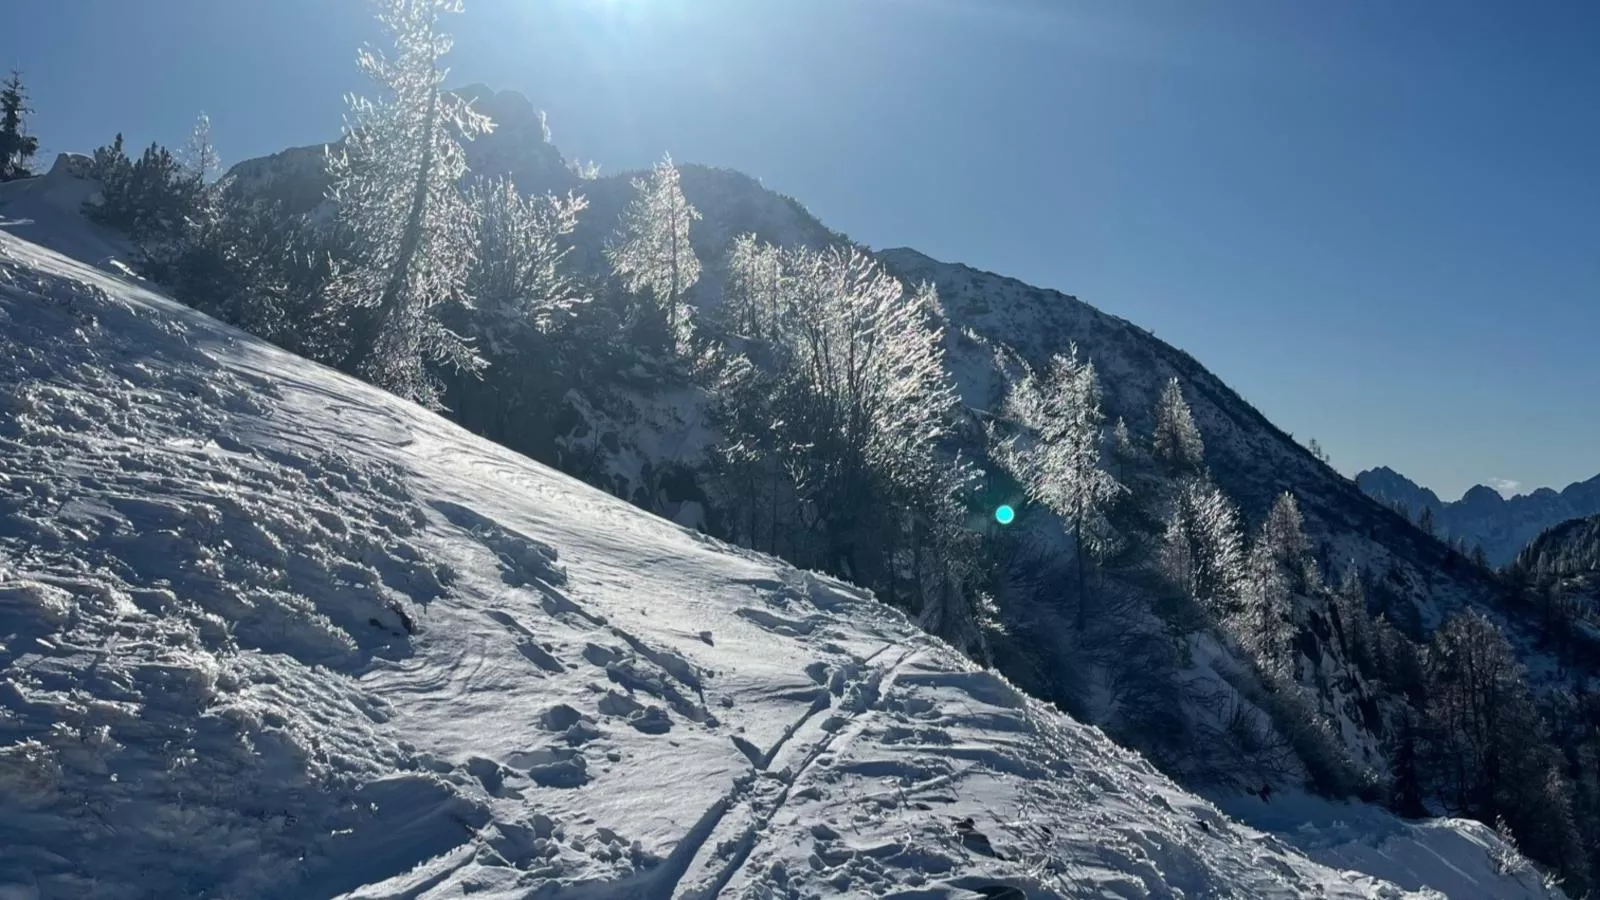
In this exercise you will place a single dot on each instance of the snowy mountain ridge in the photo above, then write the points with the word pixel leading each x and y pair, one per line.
pixel 1502 526
pixel 266 631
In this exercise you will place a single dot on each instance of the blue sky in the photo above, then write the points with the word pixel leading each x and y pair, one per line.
pixel 1378 220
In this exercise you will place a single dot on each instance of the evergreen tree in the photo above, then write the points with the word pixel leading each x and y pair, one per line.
pixel 200 160
pixel 1286 543
pixel 651 253
pixel 1355 623
pixel 1279 567
pixel 395 183
pixel 1176 442
pixel 1480 558
pixel 1059 462
pixel 1124 452
pixel 1405 790
pixel 17 146
pixel 1203 549
pixel 1425 521
pixel 1488 753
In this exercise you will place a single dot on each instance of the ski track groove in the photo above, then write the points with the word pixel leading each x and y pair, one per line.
pixel 742 791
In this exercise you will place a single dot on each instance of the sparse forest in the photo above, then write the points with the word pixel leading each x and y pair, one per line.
pixel 1234 649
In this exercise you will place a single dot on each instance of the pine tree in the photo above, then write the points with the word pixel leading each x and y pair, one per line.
pixel 1480 558
pixel 395 185
pixel 1279 567
pixel 199 158
pixel 1488 752
pixel 1285 536
pixel 1059 463
pixel 651 253
pixel 1355 623
pixel 1203 549
pixel 1176 442
pixel 1425 521
pixel 1124 452
pixel 1406 793
pixel 17 147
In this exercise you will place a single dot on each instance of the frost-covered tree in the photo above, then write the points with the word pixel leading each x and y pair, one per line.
pixel 17 146
pixel 848 409
pixel 518 278
pixel 199 158
pixel 1057 459
pixel 395 184
pixel 1124 452
pixel 1355 623
pixel 651 253
pixel 752 292
pixel 1176 442
pixel 1203 548
pixel 1283 535
pixel 1279 566
pixel 871 398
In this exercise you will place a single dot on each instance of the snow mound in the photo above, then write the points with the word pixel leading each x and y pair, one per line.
pixel 268 632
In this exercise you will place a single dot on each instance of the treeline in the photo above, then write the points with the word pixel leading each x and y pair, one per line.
pixel 1127 576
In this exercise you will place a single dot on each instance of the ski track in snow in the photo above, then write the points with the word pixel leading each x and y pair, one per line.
pixel 268 632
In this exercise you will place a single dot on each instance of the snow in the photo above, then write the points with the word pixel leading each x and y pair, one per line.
pixel 1463 859
pixel 266 631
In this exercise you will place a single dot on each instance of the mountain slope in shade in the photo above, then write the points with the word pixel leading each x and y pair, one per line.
pixel 1502 526
pixel 266 631
pixel 1563 566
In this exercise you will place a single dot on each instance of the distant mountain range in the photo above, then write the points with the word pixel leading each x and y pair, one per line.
pixel 1482 517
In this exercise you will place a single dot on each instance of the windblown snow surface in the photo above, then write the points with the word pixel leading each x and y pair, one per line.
pixel 268 632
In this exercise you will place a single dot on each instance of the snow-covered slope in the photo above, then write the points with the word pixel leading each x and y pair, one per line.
pixel 268 632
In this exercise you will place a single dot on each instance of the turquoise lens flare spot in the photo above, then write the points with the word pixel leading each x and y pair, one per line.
pixel 1004 514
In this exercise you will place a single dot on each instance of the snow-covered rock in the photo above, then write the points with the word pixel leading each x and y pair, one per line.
pixel 266 631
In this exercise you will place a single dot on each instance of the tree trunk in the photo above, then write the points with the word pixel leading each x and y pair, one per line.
pixel 371 327
pixel 1083 595
pixel 672 301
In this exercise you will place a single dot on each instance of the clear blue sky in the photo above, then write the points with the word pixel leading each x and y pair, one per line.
pixel 1379 220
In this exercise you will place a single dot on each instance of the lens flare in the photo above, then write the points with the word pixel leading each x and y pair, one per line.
pixel 1004 514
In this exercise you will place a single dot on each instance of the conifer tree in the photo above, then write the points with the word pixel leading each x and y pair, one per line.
pixel 1124 452
pixel 1176 442
pixel 1203 549
pixel 17 146
pixel 395 182
pixel 1488 754
pixel 1280 566
pixel 1059 461
pixel 651 252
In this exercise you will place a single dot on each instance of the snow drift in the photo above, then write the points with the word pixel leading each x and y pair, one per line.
pixel 266 631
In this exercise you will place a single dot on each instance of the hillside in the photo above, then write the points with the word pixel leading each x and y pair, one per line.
pixel 635 419
pixel 1250 457
pixel 1502 526
pixel 266 631
pixel 1562 567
